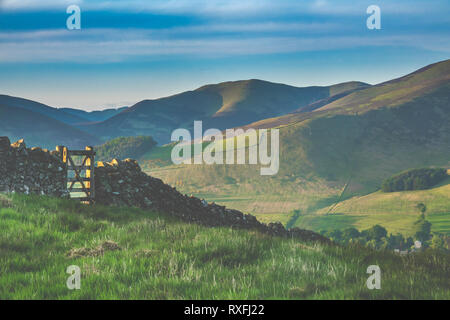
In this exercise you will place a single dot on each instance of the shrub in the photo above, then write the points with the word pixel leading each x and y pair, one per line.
pixel 124 147
pixel 375 233
pixel 423 228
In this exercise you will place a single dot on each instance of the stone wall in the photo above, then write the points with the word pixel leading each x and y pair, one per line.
pixel 123 183
pixel 34 170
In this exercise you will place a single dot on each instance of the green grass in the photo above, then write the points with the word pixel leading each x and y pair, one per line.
pixel 326 222
pixel 159 153
pixel 393 223
pixel 161 258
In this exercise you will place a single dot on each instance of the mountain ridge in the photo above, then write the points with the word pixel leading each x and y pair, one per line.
pixel 331 154
pixel 34 106
pixel 223 105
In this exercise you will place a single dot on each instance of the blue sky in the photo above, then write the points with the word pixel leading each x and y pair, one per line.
pixel 131 50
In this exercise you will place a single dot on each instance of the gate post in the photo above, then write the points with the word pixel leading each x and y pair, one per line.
pixel 90 173
pixel 62 152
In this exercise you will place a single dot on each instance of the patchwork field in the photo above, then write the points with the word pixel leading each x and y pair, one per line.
pixel 396 211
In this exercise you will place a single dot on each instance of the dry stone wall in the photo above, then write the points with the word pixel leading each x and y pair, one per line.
pixel 122 183
pixel 31 170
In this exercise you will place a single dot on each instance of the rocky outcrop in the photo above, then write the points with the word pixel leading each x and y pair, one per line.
pixel 34 170
pixel 123 183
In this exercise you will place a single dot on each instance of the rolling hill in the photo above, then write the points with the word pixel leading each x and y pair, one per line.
pixel 42 125
pixel 221 106
pixel 36 107
pixel 67 115
pixel 387 94
pixel 40 130
pixel 337 151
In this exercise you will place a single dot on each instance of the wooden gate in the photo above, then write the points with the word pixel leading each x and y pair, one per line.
pixel 82 173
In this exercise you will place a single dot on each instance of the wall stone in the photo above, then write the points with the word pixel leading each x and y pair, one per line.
pixel 31 171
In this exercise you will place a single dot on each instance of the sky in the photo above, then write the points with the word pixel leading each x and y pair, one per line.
pixel 130 50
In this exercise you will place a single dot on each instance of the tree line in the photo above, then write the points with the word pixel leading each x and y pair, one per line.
pixel 414 179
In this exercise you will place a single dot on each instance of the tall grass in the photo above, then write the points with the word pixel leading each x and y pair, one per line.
pixel 160 258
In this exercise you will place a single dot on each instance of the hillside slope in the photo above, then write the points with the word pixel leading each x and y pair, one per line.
pixel 387 94
pixel 127 253
pixel 334 153
pixel 396 92
pixel 221 106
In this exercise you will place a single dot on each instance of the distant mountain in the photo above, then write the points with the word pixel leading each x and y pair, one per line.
pixel 54 113
pixel 94 116
pixel 67 115
pixel 40 130
pixel 344 148
pixel 221 106
pixel 45 126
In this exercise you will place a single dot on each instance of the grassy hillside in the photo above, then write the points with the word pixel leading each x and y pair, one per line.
pixel 333 154
pixel 126 253
pixel 396 211
pixel 387 94
pixel 398 91
pixel 221 106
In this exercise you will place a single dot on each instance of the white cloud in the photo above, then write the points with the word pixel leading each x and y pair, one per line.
pixel 109 45
pixel 233 8
pixel 193 31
